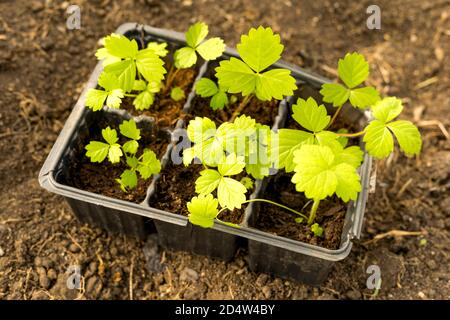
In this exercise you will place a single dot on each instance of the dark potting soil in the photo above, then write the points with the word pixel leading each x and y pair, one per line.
pixel 176 187
pixel 275 220
pixel 101 178
pixel 263 112
pixel 164 109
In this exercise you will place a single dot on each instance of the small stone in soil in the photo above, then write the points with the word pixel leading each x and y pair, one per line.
pixel 267 292
pixel 2 252
pixel 188 274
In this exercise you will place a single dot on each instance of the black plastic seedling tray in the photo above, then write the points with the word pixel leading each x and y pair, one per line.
pixel 267 253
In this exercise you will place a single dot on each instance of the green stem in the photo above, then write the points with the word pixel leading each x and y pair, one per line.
pixel 312 214
pixel 240 107
pixel 334 116
pixel 352 135
pixel 130 95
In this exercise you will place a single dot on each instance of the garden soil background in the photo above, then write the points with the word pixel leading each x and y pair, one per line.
pixel 43 67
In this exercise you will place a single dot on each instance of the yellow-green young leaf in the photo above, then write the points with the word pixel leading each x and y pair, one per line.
pixel 342 140
pixel 125 71
pixel 114 98
pixel 188 156
pixel 348 182
pixel 150 65
pixel 177 94
pixel 203 210
pixel 260 48
pixel 352 155
pixel 206 88
pixel 201 129
pixel 130 147
pixel 274 84
pixel 95 99
pixel 353 69
pixel 211 49
pixel 327 138
pixel 185 58
pixel 247 182
pixel 335 93
pixel 108 81
pixel 317 230
pixel 139 85
pixel 408 136
pixel 378 139
pixel 208 181
pixel 153 87
pixel 144 100
pixel 114 153
pixel 103 54
pixel 132 162
pixel 232 165
pixel 110 135
pixel 196 34
pixel 97 151
pixel 129 129
pixel 364 97
pixel 309 115
pixel 120 46
pixel 219 100
pixel 128 179
pixel 149 165
pixel 387 109
pixel 231 193
pixel 158 48
pixel 288 141
pixel 236 77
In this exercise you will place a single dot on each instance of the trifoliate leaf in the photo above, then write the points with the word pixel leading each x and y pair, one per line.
pixel 110 135
pixel 231 193
pixel 185 58
pixel 364 97
pixel 150 65
pixel 201 129
pixel 207 182
pixel 206 88
pixel 219 100
pixel 289 140
pixel 211 49
pixel 158 48
pixel 177 94
pixel 203 210
pixel 132 162
pixel 196 34
pixel 319 175
pixel 317 230
pixel 387 109
pixel 144 100
pixel 130 147
pixel 309 115
pixel 378 139
pixel 139 85
pixel 236 77
pixel 129 179
pixel 114 153
pixel 334 93
pixel 408 136
pixel 232 165
pixel 149 165
pixel 97 151
pixel 129 129
pixel 103 54
pixel 260 48
pixel 353 69
pixel 95 99
pixel 275 84
pixel 247 182
pixel 114 98
pixel 120 46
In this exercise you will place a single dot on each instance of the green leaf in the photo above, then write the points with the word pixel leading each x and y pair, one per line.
pixel 235 76
pixel 97 151
pixel 120 46
pixel 201 129
pixel 334 93
pixel 353 69
pixel 125 71
pixel 110 135
pixel 309 115
pixel 130 147
pixel 207 182
pixel 132 162
pixel 317 230
pixel 154 87
pixel 387 109
pixel 95 99
pixel 408 136
pixel 275 84
pixel 150 65
pixel 114 153
pixel 185 58
pixel 129 179
pixel 203 210
pixel 129 129
pixel 177 94
pixel 196 34
pixel 247 182
pixel 158 48
pixel 364 97
pixel 211 49
pixel 103 54
pixel 378 139
pixel 348 182
pixel 289 140
pixel 144 100
pixel 232 165
pixel 149 165
pixel 219 100
pixel 342 140
pixel 114 98
pixel 139 85
pixel 231 193
pixel 352 155
pixel 188 156
pixel 108 81
pixel 260 48
pixel 206 88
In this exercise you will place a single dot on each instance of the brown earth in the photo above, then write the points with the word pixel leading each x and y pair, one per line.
pixel 43 67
